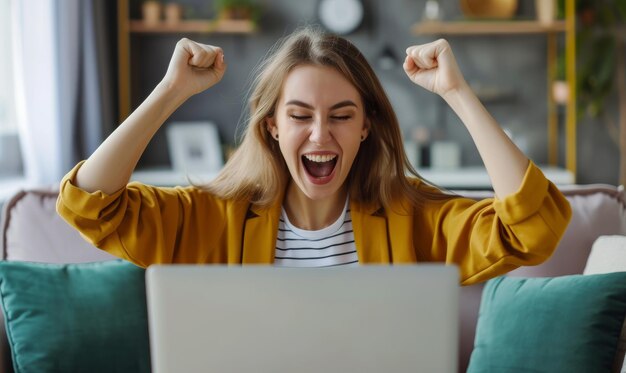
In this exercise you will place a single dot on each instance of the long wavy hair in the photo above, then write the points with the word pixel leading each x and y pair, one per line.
pixel 257 170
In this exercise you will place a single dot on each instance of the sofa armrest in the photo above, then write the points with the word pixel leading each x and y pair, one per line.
pixel 31 230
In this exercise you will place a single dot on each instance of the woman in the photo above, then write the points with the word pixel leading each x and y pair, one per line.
pixel 319 178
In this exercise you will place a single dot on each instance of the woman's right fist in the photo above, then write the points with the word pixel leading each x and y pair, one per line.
pixel 194 67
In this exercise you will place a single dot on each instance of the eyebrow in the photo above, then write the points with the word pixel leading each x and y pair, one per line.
pixel 335 106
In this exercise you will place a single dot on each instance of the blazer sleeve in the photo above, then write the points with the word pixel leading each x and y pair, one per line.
pixel 144 224
pixel 490 237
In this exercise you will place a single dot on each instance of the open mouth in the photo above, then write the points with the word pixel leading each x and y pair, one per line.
pixel 319 166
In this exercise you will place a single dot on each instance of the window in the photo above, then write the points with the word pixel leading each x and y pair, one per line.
pixel 10 154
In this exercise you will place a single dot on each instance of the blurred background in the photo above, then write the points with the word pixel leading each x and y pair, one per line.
pixel 550 71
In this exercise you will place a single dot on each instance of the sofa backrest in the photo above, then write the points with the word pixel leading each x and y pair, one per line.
pixel 598 210
pixel 33 231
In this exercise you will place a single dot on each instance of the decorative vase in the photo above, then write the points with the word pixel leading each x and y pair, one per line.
pixel 560 92
pixel 546 10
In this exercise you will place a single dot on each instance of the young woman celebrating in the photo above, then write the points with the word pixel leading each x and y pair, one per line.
pixel 320 178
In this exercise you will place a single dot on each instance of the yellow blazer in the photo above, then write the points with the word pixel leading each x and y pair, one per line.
pixel 146 225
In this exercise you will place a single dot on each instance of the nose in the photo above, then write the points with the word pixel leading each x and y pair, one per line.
pixel 320 132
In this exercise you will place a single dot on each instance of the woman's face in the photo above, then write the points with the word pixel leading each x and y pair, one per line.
pixel 320 123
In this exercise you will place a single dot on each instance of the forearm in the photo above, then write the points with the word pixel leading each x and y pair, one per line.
pixel 505 163
pixel 109 168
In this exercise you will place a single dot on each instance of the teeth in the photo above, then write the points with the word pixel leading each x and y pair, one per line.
pixel 320 158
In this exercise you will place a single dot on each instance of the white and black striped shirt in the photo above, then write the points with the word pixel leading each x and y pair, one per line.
pixel 330 246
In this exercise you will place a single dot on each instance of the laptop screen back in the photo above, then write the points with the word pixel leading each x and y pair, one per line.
pixel 267 319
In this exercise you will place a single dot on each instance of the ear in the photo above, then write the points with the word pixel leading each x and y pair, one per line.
pixel 270 125
pixel 366 129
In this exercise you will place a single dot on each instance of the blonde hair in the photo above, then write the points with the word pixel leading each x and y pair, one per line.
pixel 257 170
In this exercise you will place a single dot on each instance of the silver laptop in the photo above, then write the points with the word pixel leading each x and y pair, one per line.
pixel 267 319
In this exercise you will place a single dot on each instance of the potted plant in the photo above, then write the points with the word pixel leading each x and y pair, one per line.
pixel 237 10
pixel 601 60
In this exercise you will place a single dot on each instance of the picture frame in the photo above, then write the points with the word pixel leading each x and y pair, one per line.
pixel 194 147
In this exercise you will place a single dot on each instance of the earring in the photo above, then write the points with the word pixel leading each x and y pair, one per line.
pixel 276 136
pixel 362 137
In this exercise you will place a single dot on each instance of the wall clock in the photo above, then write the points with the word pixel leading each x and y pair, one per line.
pixel 340 16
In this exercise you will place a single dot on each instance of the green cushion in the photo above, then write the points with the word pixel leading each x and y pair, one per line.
pixel 563 324
pixel 88 317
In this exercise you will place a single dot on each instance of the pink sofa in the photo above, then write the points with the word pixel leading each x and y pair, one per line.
pixel 32 231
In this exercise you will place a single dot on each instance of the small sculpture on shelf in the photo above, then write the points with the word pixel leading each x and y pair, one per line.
pixel 432 11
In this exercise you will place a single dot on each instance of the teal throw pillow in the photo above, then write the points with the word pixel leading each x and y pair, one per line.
pixel 563 324
pixel 88 317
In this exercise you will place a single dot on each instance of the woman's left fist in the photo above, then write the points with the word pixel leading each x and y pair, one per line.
pixel 433 67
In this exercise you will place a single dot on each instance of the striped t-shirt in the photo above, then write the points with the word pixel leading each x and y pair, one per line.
pixel 330 246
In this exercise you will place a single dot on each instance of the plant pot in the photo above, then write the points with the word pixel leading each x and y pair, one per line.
pixel 236 13
pixel 495 9
pixel 151 12
pixel 173 13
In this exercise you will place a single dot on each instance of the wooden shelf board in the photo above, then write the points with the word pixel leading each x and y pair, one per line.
pixel 486 27
pixel 194 26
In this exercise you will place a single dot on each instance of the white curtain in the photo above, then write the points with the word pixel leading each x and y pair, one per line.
pixel 36 83
pixel 59 57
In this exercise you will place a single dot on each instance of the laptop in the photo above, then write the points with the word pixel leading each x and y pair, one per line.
pixel 205 318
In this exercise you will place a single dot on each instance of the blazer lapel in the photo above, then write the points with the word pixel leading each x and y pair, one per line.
pixel 400 223
pixel 370 233
pixel 260 232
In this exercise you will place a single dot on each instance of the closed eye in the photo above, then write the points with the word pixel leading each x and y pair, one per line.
pixel 300 117
pixel 341 117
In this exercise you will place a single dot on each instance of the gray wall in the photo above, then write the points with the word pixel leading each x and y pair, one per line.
pixel 514 64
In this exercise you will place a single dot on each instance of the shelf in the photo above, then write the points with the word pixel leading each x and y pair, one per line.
pixel 486 27
pixel 194 26
pixel 493 94
pixel 477 177
pixel 129 30
pixel 551 31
